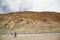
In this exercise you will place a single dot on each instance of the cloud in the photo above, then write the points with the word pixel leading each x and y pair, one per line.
pixel 45 5
pixel 29 5
pixel 3 7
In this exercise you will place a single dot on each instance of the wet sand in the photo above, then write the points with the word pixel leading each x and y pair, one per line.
pixel 44 36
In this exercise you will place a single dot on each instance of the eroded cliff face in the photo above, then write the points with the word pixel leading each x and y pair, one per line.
pixel 29 22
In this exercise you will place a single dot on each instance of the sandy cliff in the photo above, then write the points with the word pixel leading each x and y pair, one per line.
pixel 30 22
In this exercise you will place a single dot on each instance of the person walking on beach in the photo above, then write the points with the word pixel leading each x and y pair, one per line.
pixel 15 34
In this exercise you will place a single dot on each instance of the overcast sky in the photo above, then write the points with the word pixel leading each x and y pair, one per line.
pixel 29 5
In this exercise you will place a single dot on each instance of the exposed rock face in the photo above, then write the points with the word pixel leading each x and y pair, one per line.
pixel 30 22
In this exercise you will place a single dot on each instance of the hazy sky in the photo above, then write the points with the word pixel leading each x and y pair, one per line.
pixel 29 5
